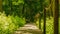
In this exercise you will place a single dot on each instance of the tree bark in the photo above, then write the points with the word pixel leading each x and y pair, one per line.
pixel 51 8
pixel 1 6
pixel 23 9
pixel 56 17
pixel 44 20
pixel 41 12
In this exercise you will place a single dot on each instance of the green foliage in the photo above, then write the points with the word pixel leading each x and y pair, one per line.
pixel 49 25
pixel 17 2
pixel 13 7
pixel 9 24
pixel 18 20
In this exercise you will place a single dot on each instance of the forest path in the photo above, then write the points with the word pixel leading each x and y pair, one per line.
pixel 28 29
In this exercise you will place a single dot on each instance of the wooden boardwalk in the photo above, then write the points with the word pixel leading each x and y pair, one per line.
pixel 28 29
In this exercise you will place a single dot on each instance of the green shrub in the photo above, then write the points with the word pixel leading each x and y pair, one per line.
pixel 49 25
pixel 18 20
pixel 8 24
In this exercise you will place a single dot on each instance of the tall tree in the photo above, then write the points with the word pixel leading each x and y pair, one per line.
pixel 44 20
pixel 23 9
pixel 56 17
pixel 41 12
pixel 51 8
pixel 0 5
pixel 10 4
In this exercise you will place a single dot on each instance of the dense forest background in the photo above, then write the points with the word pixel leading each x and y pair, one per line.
pixel 16 13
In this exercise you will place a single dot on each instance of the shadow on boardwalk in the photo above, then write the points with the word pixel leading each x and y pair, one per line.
pixel 28 29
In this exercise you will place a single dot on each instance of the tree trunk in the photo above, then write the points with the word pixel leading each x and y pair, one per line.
pixel 44 20
pixel 51 8
pixel 41 12
pixel 1 6
pixel 23 9
pixel 56 17
pixel 10 4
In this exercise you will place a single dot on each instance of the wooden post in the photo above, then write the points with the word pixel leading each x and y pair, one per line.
pixel 56 17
